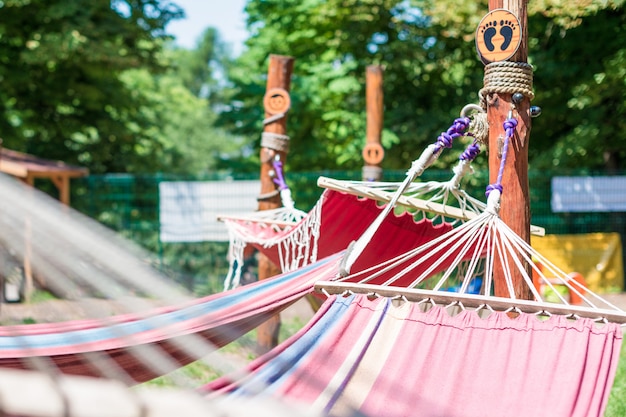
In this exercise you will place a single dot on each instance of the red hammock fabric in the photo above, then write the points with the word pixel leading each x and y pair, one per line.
pixel 344 218
pixel 388 359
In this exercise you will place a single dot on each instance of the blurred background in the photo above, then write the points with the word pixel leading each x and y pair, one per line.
pixel 133 94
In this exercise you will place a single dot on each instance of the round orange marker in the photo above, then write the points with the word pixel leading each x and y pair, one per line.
pixel 498 36
pixel 276 101
pixel 373 153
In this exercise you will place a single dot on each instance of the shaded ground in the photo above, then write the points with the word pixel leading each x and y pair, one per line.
pixel 51 311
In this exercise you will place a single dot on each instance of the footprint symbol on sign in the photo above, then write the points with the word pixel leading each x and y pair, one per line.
pixel 489 31
pixel 507 32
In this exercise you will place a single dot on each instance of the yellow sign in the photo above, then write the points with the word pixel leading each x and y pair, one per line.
pixel 498 36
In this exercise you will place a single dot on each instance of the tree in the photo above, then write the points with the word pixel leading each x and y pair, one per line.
pixel 333 43
pixel 174 129
pixel 581 85
pixel 62 97
pixel 431 71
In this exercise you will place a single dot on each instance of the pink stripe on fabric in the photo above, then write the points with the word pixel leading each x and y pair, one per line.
pixel 467 366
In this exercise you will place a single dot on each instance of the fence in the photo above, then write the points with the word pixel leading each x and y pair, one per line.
pixel 130 205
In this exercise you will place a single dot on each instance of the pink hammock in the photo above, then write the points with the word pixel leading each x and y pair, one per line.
pixel 385 357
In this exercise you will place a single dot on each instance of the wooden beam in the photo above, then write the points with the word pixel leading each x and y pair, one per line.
pixel 278 77
pixel 13 168
pixel 515 202
pixel 471 301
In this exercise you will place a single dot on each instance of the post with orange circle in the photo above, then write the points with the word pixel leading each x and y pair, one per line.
pixel 274 144
pixel 373 152
pixel 502 44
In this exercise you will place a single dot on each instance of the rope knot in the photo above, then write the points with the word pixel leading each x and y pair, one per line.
pixel 461 124
pixel 471 152
pixel 509 126
pixel 457 130
pixel 492 187
pixel 279 178
pixel 446 139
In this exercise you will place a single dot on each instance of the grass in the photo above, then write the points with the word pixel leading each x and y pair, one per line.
pixel 242 350
pixel 617 400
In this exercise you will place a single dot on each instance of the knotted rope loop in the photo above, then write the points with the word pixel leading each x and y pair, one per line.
pixel 446 139
pixel 479 125
pixel 471 152
pixel 509 128
pixel 279 177
pixel 275 141
pixel 492 187
pixel 506 77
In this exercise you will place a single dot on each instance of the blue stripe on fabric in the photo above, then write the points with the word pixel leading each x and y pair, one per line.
pixel 121 330
pixel 283 365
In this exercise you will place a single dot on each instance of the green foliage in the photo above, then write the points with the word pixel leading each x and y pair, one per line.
pixel 428 77
pixel 61 97
pixel 581 85
pixel 97 84
pixel 173 127
pixel 431 71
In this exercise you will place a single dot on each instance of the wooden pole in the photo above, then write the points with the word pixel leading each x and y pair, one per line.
pixel 278 79
pixel 373 152
pixel 515 207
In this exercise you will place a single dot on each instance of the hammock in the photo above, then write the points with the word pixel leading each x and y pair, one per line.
pixel 402 344
pixel 219 318
pixel 385 356
pixel 385 350
pixel 294 244
pixel 336 220
pixel 141 345
pixel 123 341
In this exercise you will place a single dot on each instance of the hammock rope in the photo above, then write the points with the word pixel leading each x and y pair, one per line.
pixel 509 127
pixel 485 239
pixel 426 159
pixel 506 77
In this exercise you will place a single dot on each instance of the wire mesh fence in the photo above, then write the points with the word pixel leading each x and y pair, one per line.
pixel 130 205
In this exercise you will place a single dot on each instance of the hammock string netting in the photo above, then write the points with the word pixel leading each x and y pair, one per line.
pixel 426 159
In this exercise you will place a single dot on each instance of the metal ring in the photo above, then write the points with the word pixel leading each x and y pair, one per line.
pixel 470 107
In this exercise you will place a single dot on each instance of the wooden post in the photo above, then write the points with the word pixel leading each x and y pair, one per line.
pixel 278 78
pixel 62 182
pixel 515 207
pixel 373 153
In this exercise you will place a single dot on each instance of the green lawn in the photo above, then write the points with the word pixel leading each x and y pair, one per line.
pixel 617 400
pixel 241 350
